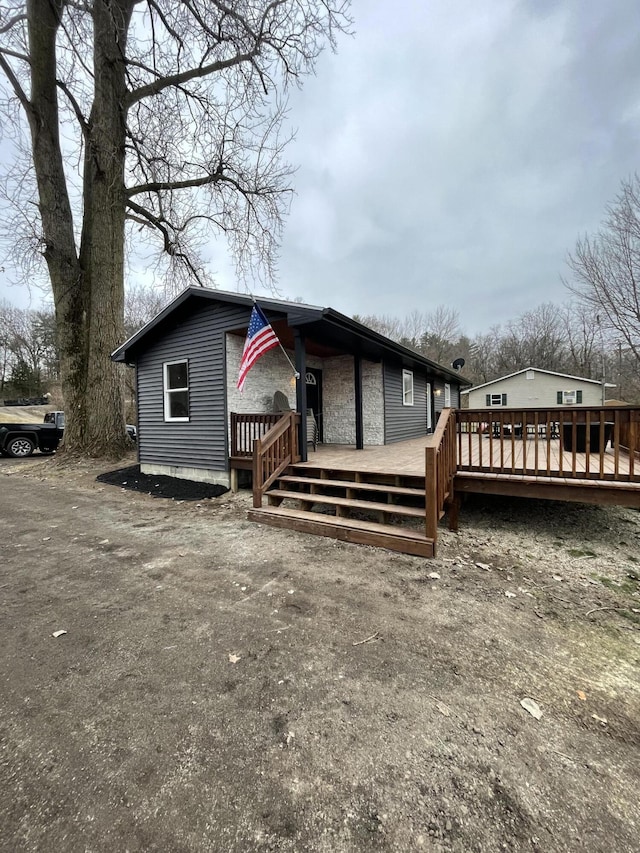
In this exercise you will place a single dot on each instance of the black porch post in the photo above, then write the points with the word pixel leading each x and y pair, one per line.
pixel 357 373
pixel 301 391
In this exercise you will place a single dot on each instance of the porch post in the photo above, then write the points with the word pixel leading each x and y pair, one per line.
pixel 301 391
pixel 357 373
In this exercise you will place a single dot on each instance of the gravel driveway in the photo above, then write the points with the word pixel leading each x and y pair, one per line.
pixel 227 687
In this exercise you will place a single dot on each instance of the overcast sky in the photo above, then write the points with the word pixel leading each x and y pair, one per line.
pixel 452 151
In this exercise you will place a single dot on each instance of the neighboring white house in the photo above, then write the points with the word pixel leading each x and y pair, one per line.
pixel 533 387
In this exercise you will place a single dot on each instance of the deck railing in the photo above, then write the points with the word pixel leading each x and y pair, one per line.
pixel 580 442
pixel 440 471
pixel 245 428
pixel 272 453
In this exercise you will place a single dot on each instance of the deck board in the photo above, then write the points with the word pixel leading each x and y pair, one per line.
pixel 478 452
pixel 404 457
pixel 485 456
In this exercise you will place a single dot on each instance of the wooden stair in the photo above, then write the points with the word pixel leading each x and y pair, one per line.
pixel 322 502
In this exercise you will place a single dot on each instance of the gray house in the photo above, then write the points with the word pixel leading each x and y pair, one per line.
pixel 362 388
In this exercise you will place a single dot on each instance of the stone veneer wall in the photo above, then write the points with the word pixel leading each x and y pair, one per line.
pixel 339 416
pixel 273 373
pixel 373 403
pixel 269 374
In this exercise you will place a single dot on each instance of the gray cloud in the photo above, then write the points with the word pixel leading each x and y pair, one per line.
pixel 453 152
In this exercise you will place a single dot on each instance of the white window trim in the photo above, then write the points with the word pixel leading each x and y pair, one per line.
pixel 407 374
pixel 168 391
pixel 569 398
pixel 499 396
pixel 447 395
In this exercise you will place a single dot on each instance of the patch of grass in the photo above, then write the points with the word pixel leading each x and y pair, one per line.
pixel 627 586
pixel 578 552
pixel 632 617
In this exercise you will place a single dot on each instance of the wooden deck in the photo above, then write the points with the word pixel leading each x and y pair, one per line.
pixel 403 489
pixel 406 458
pixel 546 458
pixel 489 466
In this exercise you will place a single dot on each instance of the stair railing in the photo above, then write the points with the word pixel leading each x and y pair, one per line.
pixel 274 452
pixel 440 471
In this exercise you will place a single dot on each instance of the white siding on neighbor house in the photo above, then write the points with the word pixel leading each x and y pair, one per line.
pixel 541 391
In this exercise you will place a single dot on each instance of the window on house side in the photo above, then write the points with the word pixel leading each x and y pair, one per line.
pixel 570 398
pixel 407 388
pixel 496 400
pixel 176 390
pixel 447 396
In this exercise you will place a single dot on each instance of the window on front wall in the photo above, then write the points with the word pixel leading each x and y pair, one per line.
pixel 447 396
pixel 569 398
pixel 496 400
pixel 176 391
pixel 407 388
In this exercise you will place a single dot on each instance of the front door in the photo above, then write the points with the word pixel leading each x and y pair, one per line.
pixel 314 395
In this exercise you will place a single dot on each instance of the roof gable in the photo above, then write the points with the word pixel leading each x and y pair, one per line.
pixel 321 323
pixel 536 370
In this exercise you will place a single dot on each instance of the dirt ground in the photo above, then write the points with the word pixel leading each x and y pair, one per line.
pixel 224 686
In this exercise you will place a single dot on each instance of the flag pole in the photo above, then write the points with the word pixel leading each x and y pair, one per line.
pixel 296 373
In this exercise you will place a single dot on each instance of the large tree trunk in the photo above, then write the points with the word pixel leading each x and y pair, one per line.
pixel 88 286
pixel 102 249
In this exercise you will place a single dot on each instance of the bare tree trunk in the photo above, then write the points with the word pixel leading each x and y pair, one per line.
pixel 201 73
pixel 88 289
pixel 57 222
pixel 102 250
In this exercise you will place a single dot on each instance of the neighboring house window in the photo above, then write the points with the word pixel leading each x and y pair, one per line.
pixel 447 396
pixel 569 398
pixel 496 400
pixel 176 391
pixel 407 388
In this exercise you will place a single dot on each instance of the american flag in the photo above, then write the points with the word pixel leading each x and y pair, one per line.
pixel 260 339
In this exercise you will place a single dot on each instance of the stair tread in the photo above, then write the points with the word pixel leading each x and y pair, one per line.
pixel 352 484
pixel 338 521
pixel 373 506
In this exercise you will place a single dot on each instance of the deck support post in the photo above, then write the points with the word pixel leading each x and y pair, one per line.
pixel 454 511
pixel 233 480
pixel 301 391
pixel 357 374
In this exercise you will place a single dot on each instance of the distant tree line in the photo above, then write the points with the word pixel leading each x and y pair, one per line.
pixel 595 335
pixel 565 338
pixel 29 352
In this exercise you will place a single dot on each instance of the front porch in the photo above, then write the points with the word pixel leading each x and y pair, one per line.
pixel 582 455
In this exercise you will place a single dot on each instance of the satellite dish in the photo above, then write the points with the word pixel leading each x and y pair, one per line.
pixel 458 364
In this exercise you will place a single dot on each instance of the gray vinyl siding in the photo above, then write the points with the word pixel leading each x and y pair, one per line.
pixel 202 441
pixel 438 398
pixel 403 422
